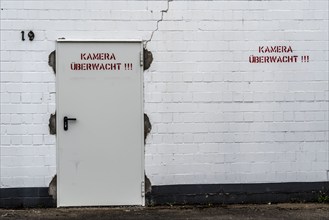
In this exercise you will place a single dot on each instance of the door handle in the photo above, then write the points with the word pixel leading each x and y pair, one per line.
pixel 66 122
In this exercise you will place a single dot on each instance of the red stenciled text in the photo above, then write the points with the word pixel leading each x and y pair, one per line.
pixel 274 49
pixel 97 56
pixel 273 59
pixel 95 66
pixel 93 61
pixel 275 54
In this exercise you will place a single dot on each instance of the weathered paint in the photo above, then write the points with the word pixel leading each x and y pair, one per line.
pixel 52 60
pixel 148 58
pixel 52 124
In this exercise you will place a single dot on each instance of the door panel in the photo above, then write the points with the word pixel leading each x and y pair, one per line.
pixel 101 155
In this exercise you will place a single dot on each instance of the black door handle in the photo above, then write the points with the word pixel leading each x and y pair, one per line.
pixel 66 124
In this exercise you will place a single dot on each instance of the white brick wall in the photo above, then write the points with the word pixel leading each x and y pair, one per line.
pixel 216 117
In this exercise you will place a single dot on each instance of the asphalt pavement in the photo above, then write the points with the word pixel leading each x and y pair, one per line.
pixel 245 212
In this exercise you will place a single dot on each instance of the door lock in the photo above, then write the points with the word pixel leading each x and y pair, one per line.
pixel 66 122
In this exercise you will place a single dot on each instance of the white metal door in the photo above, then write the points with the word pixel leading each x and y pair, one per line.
pixel 100 155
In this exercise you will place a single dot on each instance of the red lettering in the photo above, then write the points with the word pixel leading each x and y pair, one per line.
pixel 97 56
pixel 112 57
pixel 274 49
pixel 95 66
pixel 273 59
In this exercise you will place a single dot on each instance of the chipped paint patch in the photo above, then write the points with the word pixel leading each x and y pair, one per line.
pixel 52 124
pixel 148 58
pixel 147 126
pixel 52 60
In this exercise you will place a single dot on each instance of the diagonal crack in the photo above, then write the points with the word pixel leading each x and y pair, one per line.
pixel 158 21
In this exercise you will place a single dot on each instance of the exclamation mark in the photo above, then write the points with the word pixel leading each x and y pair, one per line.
pixel 302 59
pixel 125 66
pixel 131 66
pixel 307 58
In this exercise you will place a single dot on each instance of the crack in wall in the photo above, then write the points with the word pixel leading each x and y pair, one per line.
pixel 158 21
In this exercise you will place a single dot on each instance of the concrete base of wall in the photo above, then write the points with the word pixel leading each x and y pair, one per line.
pixel 34 197
pixel 238 193
pixel 203 194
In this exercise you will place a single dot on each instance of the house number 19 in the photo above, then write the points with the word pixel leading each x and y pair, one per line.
pixel 30 35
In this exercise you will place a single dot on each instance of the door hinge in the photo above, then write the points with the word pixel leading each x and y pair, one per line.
pixel 143 188
pixel 141 58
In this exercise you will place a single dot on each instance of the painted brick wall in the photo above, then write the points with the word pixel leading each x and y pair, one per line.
pixel 216 117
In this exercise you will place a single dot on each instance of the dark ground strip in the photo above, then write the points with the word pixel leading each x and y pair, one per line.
pixel 281 211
